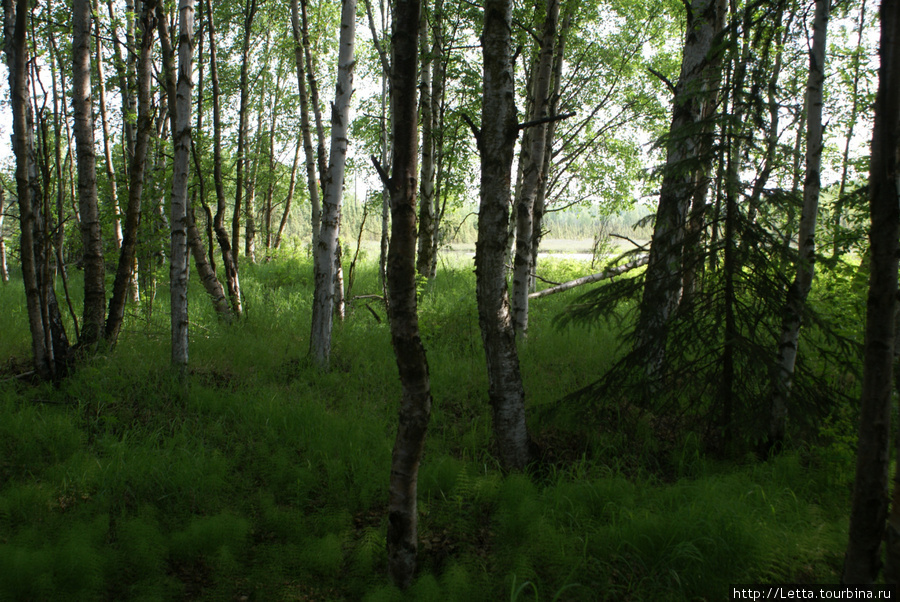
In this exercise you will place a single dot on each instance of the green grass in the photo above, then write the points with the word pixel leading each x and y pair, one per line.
pixel 261 476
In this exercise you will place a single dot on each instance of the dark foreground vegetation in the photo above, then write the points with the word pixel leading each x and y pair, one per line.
pixel 261 477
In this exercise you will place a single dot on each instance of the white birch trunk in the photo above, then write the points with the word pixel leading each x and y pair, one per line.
pixel 82 108
pixel 806 243
pixel 696 83
pixel 4 269
pixel 324 296
pixel 178 271
pixel 496 143
pixel 531 173
pixel 425 259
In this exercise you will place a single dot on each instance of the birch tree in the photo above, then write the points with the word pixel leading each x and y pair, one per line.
pixel 806 244
pixel 327 252
pixel 531 163
pixel 496 144
pixel 181 134
pixel 4 268
pixel 49 343
pixel 88 204
pixel 696 82
pixel 125 270
pixel 249 12
pixel 424 260
pixel 415 402
pixel 232 278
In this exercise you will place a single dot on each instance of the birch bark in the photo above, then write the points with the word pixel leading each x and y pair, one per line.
pixel 496 144
pixel 125 270
pixel 325 261
pixel 412 364
pixel 532 168
pixel 82 106
pixel 806 243
pixel 178 271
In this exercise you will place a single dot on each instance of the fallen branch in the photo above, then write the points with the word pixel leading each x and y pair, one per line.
pixel 604 275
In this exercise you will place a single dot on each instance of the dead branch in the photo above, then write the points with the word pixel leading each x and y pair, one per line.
pixel 604 275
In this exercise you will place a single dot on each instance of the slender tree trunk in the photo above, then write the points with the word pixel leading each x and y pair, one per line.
pixel 326 254
pixel 384 142
pixel 300 42
pixel 290 197
pixel 774 117
pixel 854 113
pixel 697 81
pixel 48 341
pixel 204 270
pixel 870 492
pixel 424 259
pixel 4 269
pixel 232 278
pixel 533 164
pixel 125 272
pixel 250 228
pixel 244 87
pixel 107 150
pixel 94 269
pixel 799 290
pixel 496 144
pixel 181 134
pixel 270 144
pixel 125 73
pixel 415 403
pixel 540 200
pixel 438 103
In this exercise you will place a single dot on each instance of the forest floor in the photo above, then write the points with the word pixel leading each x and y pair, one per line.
pixel 259 477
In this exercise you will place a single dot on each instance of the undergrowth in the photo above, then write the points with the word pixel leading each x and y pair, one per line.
pixel 259 477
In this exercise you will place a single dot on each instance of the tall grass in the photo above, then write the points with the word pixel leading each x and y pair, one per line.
pixel 261 476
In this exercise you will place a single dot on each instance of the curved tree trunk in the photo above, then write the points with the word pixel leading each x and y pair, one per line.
pixel 496 144
pixel 415 403
pixel 48 340
pixel 125 270
pixel 232 279
pixel 204 270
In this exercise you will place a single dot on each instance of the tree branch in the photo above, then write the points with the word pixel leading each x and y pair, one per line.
pixel 385 179
pixel 475 131
pixel 604 275
pixel 663 79
pixel 544 120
